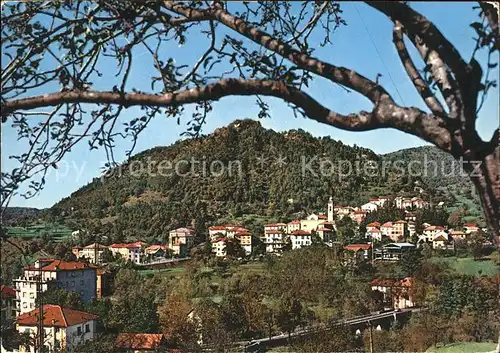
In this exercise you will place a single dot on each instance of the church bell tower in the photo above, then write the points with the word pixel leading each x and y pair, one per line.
pixel 330 209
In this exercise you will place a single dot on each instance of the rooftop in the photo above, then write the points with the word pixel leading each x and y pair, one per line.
pixel 55 316
pixel 140 341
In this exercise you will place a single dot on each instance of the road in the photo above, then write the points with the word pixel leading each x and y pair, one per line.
pixel 165 261
pixel 352 321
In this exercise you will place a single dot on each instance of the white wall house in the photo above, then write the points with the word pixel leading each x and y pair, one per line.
pixel 274 240
pixel 71 276
pixel 63 328
pixel 300 238
pixel 369 207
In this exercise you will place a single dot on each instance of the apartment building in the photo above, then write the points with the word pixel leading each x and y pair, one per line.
pixel 128 251
pixel 71 276
pixel 181 240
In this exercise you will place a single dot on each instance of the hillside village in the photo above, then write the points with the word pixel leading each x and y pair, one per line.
pixel 87 275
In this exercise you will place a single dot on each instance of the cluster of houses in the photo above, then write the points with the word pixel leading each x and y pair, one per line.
pixel 180 240
pixel 65 328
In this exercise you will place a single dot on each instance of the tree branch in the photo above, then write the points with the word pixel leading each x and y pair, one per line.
pixel 215 91
pixel 490 12
pixel 422 88
pixel 341 75
pixel 386 114
pixel 418 26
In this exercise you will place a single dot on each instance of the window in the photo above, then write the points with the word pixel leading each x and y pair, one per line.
pixel 87 328
pixel 79 331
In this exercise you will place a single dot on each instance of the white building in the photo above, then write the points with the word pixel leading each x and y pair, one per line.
pixel 275 226
pixel 129 251
pixel 180 240
pixel 300 238
pixel 219 247
pixel 215 232
pixel 274 240
pixel 292 226
pixel 432 232
pixel 71 276
pixel 369 207
pixel 63 328
pixel 374 233
pixel 89 252
pixel 470 228
pixel 330 212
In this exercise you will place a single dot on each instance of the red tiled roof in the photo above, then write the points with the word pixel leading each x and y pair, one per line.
pixel 95 245
pixel 470 225
pixel 440 238
pixel 374 230
pixel 294 222
pixel 325 230
pixel 400 221
pixel 140 341
pixel 373 224
pixel 60 265
pixel 274 231
pixel 55 316
pixel 242 234
pixel 8 293
pixel 300 232
pixel 360 212
pixel 387 224
pixel 217 228
pixel 357 247
pixel 156 247
pixel 126 245
pixel 434 228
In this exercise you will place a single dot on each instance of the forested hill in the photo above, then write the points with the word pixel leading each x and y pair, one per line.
pixel 265 173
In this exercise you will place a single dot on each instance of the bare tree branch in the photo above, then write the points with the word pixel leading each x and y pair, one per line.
pixel 341 75
pixel 422 88
pixel 418 26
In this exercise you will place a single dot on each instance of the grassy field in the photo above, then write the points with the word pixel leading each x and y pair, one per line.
pixel 467 265
pixel 468 347
pixel 58 231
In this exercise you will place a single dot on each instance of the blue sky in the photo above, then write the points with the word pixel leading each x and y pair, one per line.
pixel 352 47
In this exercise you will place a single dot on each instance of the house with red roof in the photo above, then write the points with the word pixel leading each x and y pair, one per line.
pixel 292 226
pixel 397 294
pixel 358 251
pixel 144 342
pixel 181 240
pixel 443 241
pixel 64 328
pixel 8 296
pixel 128 251
pixel 470 228
pixel 156 251
pixel 300 238
pixel 92 253
pixel 274 240
pixel 431 232
pixel 374 233
pixel 72 276
pixel 386 229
